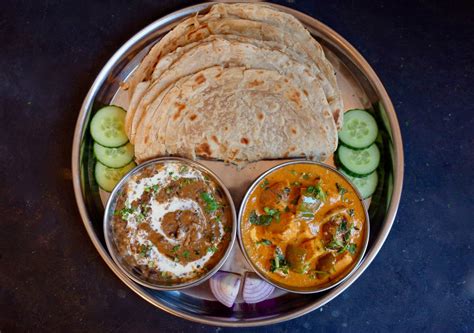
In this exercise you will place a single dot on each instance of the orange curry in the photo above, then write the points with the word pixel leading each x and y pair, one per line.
pixel 303 226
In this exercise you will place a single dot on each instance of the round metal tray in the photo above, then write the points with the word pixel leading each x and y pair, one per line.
pixel 360 88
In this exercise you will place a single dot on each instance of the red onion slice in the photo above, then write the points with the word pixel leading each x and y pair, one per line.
pixel 225 287
pixel 255 289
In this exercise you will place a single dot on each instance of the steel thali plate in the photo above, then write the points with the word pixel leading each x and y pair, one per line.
pixel 360 88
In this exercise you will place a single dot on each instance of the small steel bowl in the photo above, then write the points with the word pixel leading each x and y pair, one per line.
pixel 295 289
pixel 109 237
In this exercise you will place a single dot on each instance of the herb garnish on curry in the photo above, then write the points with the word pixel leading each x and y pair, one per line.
pixel 172 223
pixel 303 226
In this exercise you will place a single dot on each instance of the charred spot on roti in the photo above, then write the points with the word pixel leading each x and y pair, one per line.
pixel 255 83
pixel 330 99
pixel 192 117
pixel 180 108
pixel 305 92
pixel 196 33
pixel 295 97
pixel 204 149
pixel 244 141
pixel 200 79
pixel 260 116
pixel 214 138
pixel 286 154
pixel 293 130
pixel 233 153
pixel 292 148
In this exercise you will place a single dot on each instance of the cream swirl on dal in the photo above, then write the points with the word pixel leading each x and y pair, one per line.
pixel 171 223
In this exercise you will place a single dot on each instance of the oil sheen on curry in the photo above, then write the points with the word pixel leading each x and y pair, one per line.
pixel 172 223
pixel 303 226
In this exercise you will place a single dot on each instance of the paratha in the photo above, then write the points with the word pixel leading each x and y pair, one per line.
pixel 220 51
pixel 264 24
pixel 238 115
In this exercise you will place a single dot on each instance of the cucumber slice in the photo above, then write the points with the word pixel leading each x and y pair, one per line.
pixel 114 157
pixel 107 177
pixel 360 129
pixel 366 185
pixel 359 163
pixel 107 126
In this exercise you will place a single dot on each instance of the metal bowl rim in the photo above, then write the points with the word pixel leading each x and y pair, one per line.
pixel 250 190
pixel 111 201
pixel 355 57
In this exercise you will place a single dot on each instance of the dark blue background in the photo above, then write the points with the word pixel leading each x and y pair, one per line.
pixel 51 277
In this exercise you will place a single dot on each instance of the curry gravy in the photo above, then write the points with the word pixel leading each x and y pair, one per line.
pixel 172 223
pixel 303 226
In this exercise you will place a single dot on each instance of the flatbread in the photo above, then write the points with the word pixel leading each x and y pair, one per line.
pixel 237 114
pixel 220 51
pixel 274 27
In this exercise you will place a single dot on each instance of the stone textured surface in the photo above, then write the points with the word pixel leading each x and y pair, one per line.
pixel 51 277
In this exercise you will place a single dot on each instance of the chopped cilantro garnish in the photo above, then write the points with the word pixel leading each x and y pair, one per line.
pixel 187 181
pixel 305 175
pixel 211 203
pixel 293 172
pixel 212 249
pixel 341 240
pixel 186 254
pixel 124 212
pixel 271 214
pixel 351 248
pixel 264 242
pixel 279 263
pixel 175 248
pixel 144 250
pixel 140 217
pixel 183 169
pixel 317 191
pixel 341 190
pixel 264 184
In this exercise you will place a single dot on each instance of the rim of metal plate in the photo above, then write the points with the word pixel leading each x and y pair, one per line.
pixel 338 42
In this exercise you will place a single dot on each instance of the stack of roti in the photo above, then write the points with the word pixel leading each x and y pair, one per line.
pixel 241 83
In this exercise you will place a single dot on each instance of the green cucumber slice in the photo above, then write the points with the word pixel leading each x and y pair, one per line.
pixel 366 185
pixel 107 126
pixel 359 130
pixel 107 177
pixel 114 157
pixel 359 163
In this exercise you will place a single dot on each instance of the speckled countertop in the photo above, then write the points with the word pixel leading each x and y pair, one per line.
pixel 51 277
